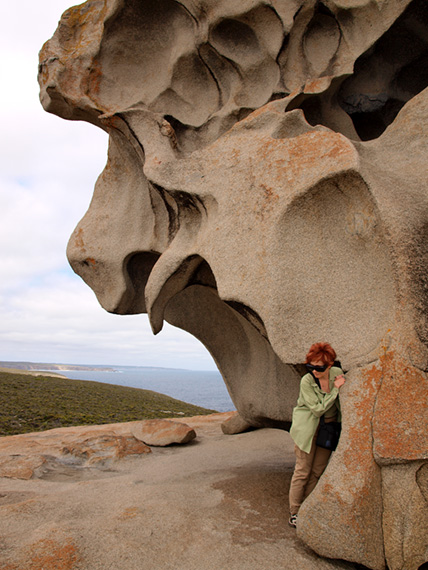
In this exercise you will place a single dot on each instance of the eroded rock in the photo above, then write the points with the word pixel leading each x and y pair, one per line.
pixel 105 448
pixel 271 160
pixel 20 466
pixel 34 455
pixel 163 432
pixel 234 425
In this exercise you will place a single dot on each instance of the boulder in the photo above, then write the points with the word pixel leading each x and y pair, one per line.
pixel 160 433
pixel 271 161
pixel 234 425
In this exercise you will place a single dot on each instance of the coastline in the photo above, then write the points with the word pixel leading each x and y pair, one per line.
pixel 45 366
pixel 31 372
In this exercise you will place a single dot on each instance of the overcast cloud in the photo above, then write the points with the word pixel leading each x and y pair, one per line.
pixel 48 168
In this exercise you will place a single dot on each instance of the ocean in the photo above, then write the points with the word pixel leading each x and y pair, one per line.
pixel 201 388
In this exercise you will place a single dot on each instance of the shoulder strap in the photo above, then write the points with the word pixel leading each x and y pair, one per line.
pixel 316 379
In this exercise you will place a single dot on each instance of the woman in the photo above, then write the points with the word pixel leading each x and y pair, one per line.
pixel 319 391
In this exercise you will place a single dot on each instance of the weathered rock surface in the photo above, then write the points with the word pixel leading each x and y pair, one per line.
pixel 31 454
pixel 235 424
pixel 163 432
pixel 219 503
pixel 271 160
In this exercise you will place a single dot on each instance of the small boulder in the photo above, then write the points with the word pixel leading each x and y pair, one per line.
pixel 163 432
pixel 235 424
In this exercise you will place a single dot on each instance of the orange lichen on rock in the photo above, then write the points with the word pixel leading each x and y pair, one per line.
pixel 20 466
pixel 360 430
pixel 77 26
pixel 47 554
pixel 300 161
pixel 106 447
pixel 94 79
pixel 78 237
pixel 130 513
pixel 400 422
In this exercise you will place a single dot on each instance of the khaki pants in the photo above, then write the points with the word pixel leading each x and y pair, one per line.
pixel 309 468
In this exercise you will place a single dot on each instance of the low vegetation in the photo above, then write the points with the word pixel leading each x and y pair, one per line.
pixel 37 403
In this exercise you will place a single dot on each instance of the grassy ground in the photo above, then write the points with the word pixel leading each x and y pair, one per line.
pixel 30 403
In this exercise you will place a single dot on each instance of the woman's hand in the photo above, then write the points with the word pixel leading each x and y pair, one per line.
pixel 339 381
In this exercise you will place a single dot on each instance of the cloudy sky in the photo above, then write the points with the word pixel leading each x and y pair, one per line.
pixel 47 173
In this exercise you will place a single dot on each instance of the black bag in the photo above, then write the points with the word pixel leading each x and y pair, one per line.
pixel 328 434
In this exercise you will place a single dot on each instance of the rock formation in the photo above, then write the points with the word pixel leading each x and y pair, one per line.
pixel 235 424
pixel 161 433
pixel 265 189
pixel 32 455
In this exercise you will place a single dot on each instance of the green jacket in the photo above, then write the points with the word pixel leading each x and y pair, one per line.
pixel 311 405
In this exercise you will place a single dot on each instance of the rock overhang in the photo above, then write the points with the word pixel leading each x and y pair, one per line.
pixel 264 190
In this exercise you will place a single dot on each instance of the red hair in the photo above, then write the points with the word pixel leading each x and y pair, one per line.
pixel 321 351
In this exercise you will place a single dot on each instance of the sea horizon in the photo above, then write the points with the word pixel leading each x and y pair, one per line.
pixel 205 388
pixel 50 364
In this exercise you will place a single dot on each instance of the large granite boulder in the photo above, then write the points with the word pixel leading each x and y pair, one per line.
pixel 266 188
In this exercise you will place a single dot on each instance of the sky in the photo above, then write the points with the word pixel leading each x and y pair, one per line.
pixel 48 168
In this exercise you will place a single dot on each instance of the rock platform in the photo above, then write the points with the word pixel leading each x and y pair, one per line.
pixel 217 502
